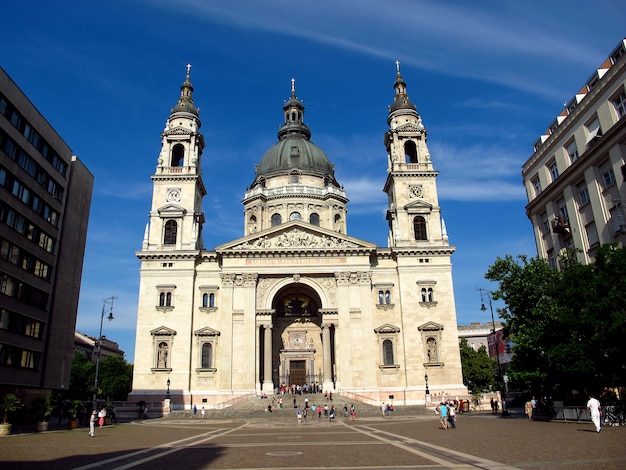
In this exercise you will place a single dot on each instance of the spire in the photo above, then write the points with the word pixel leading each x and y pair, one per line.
pixel 293 111
pixel 185 102
pixel 401 99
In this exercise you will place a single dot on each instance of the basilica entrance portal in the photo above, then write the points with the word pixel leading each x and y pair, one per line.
pixel 296 353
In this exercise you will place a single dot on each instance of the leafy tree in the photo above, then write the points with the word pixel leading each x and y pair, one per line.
pixel 568 326
pixel 478 368
pixel 115 378
pixel 81 378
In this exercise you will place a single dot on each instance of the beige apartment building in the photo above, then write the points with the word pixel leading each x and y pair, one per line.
pixel 575 177
pixel 296 300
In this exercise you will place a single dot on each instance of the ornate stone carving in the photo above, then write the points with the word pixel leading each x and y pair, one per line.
pixel 228 280
pixel 296 239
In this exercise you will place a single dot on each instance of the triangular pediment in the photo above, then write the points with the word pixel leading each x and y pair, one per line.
pixel 419 206
pixel 410 127
pixel 178 130
pixel 430 326
pixel 170 210
pixel 163 331
pixel 206 331
pixel 386 328
pixel 296 235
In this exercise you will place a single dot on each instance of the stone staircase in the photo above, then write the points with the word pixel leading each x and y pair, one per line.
pixel 256 407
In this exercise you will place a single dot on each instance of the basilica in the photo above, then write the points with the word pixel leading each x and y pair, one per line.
pixel 296 300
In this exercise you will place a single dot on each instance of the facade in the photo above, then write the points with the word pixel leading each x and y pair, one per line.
pixel 45 198
pixel 295 300
pixel 88 346
pixel 479 334
pixel 575 178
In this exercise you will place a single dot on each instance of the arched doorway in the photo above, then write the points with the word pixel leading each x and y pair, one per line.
pixel 297 352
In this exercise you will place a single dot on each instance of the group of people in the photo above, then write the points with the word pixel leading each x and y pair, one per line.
pixel 328 412
pixel 97 417
pixel 447 415
pixel 386 409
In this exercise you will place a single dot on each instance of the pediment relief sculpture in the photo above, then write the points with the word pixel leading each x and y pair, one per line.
pixel 296 238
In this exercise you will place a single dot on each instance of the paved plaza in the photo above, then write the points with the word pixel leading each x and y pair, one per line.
pixel 276 440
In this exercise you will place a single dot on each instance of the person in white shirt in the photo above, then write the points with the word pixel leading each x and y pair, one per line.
pixel 593 405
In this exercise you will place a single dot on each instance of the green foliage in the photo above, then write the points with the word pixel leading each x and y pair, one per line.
pixel 568 326
pixel 9 403
pixel 115 378
pixel 478 368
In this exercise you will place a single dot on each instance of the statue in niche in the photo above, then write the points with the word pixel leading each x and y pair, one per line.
pixel 162 356
pixel 431 350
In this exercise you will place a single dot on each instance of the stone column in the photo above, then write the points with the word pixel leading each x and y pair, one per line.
pixel 328 372
pixel 257 356
pixel 268 384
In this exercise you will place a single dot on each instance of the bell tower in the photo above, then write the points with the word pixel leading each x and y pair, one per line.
pixel 176 216
pixel 414 215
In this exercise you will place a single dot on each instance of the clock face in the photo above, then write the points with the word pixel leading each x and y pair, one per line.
pixel 416 191
pixel 173 195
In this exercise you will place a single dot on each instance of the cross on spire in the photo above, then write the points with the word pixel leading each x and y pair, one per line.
pixel 293 86
pixel 188 68
pixel 398 66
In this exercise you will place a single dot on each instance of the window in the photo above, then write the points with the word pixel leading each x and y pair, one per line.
pixel 583 193
pixel 608 177
pixel 337 226
pixel 205 300
pixel 178 153
pixel 294 178
pixel 209 297
pixel 207 356
pixel 384 297
pixel 165 297
pixel 388 352
pixel 419 228
pixel 619 103
pixel 593 131
pixel 410 151
pixel 276 220
pixel 562 210
pixel 171 227
pixel 551 258
pixel 295 216
pixel 314 219
pixel 428 294
pixel 592 235
pixel 536 185
pixel 554 170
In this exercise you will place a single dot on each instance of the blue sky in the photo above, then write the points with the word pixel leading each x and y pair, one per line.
pixel 488 77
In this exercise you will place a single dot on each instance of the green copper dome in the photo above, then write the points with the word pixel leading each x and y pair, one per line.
pixel 294 149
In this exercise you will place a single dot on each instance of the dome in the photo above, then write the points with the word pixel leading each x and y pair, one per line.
pixel 294 152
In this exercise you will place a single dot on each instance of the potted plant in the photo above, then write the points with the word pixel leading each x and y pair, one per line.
pixel 8 403
pixel 74 409
pixel 44 408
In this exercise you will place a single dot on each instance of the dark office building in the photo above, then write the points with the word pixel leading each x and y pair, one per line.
pixel 45 198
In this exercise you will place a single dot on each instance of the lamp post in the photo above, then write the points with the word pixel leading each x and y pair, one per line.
pixel 427 391
pixel 495 341
pixel 107 305
pixel 167 395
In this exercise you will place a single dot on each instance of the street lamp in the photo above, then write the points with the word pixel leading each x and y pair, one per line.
pixel 107 305
pixel 167 395
pixel 427 391
pixel 495 340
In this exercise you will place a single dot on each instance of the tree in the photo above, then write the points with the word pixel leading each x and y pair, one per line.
pixel 115 376
pixel 81 378
pixel 478 368
pixel 567 325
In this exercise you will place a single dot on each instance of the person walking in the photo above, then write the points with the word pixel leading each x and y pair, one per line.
pixel 101 415
pixel 299 414
pixel 594 407
pixel 319 411
pixel 383 408
pixel 202 411
pixel 195 411
pixel 443 415
pixel 352 412
pixel 452 417
pixel 92 423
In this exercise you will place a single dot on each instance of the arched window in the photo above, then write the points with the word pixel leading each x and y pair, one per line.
pixel 419 227
pixel 162 299
pixel 276 220
pixel 171 227
pixel 168 299
pixel 252 224
pixel 178 154
pixel 381 297
pixel 431 294
pixel 314 219
pixel 211 300
pixel 424 296
pixel 337 226
pixel 388 352
pixel 205 300
pixel 207 355
pixel 410 151
pixel 295 216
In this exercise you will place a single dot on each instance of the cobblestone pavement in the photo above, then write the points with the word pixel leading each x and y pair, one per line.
pixel 277 440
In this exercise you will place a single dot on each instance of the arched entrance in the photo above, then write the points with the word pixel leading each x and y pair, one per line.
pixel 297 340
